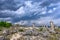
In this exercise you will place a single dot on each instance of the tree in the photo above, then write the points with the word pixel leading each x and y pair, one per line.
pixel 5 24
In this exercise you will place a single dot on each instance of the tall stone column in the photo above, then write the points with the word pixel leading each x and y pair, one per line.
pixel 52 25
pixel 33 25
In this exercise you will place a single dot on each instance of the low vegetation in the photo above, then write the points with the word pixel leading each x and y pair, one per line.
pixel 21 30
pixel 4 25
pixel 40 29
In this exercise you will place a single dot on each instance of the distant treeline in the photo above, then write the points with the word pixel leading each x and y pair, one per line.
pixel 5 24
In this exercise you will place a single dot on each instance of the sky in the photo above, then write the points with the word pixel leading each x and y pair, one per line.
pixel 27 12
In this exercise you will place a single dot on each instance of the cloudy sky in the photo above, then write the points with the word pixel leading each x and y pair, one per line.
pixel 30 11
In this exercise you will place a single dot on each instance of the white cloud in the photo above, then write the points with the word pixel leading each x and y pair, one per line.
pixel 44 12
pixel 5 19
pixel 40 21
pixel 57 21
pixel 54 9
pixel 22 22
pixel 30 8
pixel 28 3
pixel 50 11
pixel 20 10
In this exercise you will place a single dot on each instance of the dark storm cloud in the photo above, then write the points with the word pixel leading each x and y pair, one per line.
pixel 9 5
pixel 48 2
pixel 27 9
pixel 25 17
pixel 12 4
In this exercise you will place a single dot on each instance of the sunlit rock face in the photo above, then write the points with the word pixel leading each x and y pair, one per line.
pixel 52 25
pixel 31 33
pixel 15 36
pixel 6 32
pixel 1 38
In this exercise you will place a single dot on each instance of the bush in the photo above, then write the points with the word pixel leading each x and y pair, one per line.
pixel 5 24
pixel 21 30
pixel 40 29
pixel 0 30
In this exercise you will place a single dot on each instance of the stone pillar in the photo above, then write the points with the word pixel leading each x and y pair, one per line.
pixel 33 25
pixel 44 28
pixel 52 25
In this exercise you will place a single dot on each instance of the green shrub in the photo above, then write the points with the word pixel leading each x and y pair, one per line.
pixel 5 24
pixel 21 30
pixel 40 29
pixel 0 30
